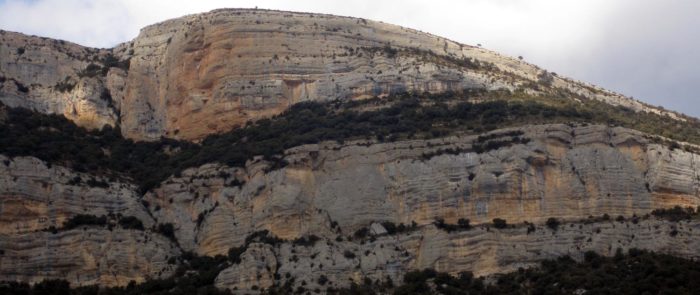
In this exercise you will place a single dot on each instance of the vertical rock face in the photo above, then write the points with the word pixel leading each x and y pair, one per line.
pixel 86 256
pixel 35 202
pixel 45 75
pixel 208 73
pixel 564 172
pixel 333 212
pixel 35 197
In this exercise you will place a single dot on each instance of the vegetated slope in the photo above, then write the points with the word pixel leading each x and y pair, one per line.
pixel 435 170
pixel 332 154
pixel 637 272
pixel 203 74
pixel 58 141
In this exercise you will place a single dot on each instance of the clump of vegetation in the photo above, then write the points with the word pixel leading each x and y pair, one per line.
pixel 553 223
pixel 107 62
pixel 84 220
pixel 130 222
pixel 637 272
pixel 64 86
pixel 392 228
pixel 56 140
pixel 306 241
pixel 677 213
pixel 462 224
pixel 167 230
pixel 499 223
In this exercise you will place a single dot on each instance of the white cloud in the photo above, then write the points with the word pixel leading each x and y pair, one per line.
pixel 643 48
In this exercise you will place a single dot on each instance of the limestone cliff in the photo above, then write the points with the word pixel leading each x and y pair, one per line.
pixel 36 200
pixel 564 172
pixel 321 215
pixel 207 73
pixel 331 191
pixel 49 76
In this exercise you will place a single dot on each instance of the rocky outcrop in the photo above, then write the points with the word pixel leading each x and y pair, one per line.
pixel 86 256
pixel 331 207
pixel 208 73
pixel 256 270
pixel 34 196
pixel 481 250
pixel 332 191
pixel 563 171
pixel 36 200
pixel 49 76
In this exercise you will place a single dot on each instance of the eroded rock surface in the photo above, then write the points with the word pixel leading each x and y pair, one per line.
pixel 564 172
pixel 37 199
pixel 208 73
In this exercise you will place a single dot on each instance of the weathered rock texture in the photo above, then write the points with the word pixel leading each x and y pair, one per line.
pixel 564 172
pixel 35 201
pixel 207 73
pixel 481 250
pixel 33 69
pixel 86 256
pixel 331 190
pixel 34 196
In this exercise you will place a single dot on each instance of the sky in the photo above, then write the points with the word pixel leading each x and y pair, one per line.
pixel 647 49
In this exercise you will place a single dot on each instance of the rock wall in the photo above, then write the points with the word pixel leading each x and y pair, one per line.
pixel 86 256
pixel 332 190
pixel 44 75
pixel 208 73
pixel 564 172
pixel 482 250
pixel 36 200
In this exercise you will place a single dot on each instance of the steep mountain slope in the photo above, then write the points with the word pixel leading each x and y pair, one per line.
pixel 207 73
pixel 330 152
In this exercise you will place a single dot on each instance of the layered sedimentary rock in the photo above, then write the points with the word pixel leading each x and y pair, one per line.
pixel 46 75
pixel 37 199
pixel 482 250
pixel 35 196
pixel 197 75
pixel 86 256
pixel 565 172
pixel 332 190
pixel 208 73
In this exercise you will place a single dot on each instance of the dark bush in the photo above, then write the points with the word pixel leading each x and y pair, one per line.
pixel 499 223
pixel 167 230
pixel 131 222
pixel 676 213
pixel 553 223
pixel 349 254
pixel 84 220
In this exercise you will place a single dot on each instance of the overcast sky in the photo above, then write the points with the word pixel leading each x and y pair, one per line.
pixel 648 49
